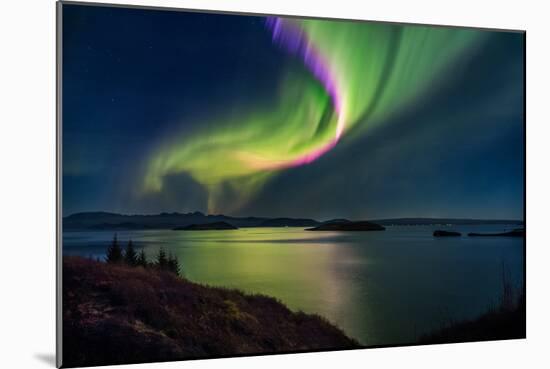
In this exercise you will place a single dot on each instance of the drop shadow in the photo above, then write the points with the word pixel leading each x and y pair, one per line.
pixel 46 358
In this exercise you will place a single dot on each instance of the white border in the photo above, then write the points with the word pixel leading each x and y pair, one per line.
pixel 28 180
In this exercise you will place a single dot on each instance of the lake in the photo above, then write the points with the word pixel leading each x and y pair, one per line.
pixel 382 288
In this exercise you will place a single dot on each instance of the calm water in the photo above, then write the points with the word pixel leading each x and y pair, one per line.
pixel 380 287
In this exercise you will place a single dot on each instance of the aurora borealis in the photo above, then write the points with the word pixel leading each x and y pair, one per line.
pixel 225 113
pixel 358 73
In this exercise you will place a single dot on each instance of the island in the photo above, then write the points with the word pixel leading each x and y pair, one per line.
pixel 118 314
pixel 348 226
pixel 444 221
pixel 514 233
pixel 440 233
pixel 215 226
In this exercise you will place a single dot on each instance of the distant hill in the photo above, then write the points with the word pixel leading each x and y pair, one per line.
pixel 348 226
pixel 120 226
pixel 216 226
pixel 338 220
pixel 513 233
pixel 113 221
pixel 440 221
pixel 288 222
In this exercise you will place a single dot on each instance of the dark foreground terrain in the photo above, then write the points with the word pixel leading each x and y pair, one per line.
pixel 114 314
pixel 504 322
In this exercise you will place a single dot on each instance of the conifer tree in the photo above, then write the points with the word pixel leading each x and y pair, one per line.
pixel 173 264
pixel 162 260
pixel 114 252
pixel 141 259
pixel 130 256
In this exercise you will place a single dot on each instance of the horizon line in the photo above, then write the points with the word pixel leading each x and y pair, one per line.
pixel 294 217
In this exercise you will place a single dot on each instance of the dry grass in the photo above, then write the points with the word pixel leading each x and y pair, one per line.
pixel 505 321
pixel 116 314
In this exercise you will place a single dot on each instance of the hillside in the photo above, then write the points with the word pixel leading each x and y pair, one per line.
pixel 288 222
pixel 496 324
pixel 112 221
pixel 216 226
pixel 118 314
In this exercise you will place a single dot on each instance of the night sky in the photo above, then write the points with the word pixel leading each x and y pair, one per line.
pixel 176 111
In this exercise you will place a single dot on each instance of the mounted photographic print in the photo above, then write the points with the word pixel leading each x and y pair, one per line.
pixel 242 184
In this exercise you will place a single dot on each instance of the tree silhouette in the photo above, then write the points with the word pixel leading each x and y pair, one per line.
pixel 115 255
pixel 114 252
pixel 141 259
pixel 130 256
pixel 162 260
pixel 173 264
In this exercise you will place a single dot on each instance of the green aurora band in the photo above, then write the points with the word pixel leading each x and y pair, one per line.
pixel 357 74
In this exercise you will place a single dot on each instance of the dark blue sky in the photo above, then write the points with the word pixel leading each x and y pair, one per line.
pixel 130 76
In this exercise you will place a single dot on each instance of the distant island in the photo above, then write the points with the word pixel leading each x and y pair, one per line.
pixel 445 221
pixel 117 314
pixel 215 226
pixel 440 233
pixel 112 221
pixel 348 226
pixel 513 233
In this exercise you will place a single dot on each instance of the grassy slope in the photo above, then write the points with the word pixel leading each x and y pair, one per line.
pixel 116 314
pixel 497 324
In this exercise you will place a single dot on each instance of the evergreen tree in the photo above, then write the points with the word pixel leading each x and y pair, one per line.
pixel 162 260
pixel 130 256
pixel 173 264
pixel 141 259
pixel 114 252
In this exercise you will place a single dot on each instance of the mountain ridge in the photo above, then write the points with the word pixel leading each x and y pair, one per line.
pixel 101 220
